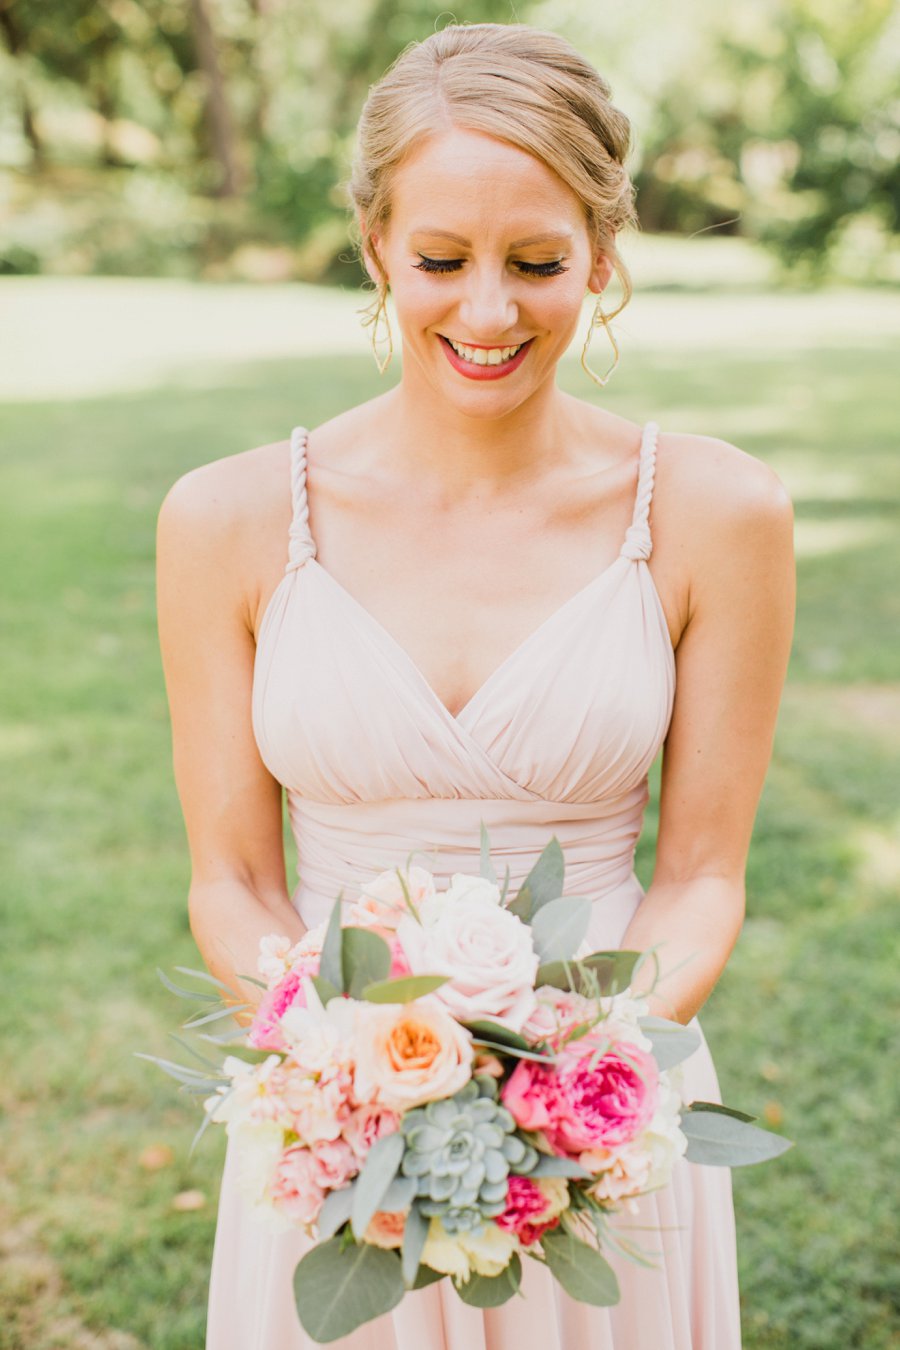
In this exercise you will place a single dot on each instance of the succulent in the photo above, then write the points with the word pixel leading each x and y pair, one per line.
pixel 460 1151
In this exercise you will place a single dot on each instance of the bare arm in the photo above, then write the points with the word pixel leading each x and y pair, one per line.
pixel 731 663
pixel 231 803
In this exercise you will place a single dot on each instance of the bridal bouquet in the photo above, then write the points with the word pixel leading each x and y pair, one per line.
pixel 447 1082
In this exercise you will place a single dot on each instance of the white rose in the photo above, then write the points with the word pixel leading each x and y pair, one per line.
pixel 487 952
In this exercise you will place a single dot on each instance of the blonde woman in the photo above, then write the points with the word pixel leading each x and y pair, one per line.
pixel 476 597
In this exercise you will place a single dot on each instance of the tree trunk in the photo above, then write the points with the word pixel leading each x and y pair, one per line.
pixel 15 42
pixel 222 138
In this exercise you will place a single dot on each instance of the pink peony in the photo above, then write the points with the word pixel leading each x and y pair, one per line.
pixel 607 1102
pixel 265 1032
pixel 528 1212
pixel 367 1124
pixel 531 1094
pixel 295 1189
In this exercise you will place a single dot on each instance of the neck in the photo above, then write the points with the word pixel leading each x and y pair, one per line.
pixel 460 453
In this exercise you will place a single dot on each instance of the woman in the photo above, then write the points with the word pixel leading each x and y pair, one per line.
pixel 439 608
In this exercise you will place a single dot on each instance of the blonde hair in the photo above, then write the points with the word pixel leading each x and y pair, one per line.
pixel 519 84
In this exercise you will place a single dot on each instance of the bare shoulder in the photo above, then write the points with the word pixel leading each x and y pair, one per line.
pixel 709 495
pixel 227 496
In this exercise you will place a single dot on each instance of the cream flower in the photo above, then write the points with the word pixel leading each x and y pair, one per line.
pixel 382 903
pixel 485 1251
pixel 485 949
pixel 408 1054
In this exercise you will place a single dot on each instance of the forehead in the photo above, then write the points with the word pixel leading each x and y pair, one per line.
pixel 468 183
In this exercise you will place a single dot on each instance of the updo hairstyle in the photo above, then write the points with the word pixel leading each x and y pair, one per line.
pixel 519 84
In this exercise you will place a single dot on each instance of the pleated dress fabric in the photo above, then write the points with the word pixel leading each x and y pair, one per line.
pixel 558 740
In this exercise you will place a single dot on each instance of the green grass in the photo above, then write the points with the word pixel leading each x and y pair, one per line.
pixel 95 866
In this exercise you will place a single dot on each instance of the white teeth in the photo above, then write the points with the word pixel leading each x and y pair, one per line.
pixel 484 356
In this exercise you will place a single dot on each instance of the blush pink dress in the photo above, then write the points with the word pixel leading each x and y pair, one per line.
pixel 558 740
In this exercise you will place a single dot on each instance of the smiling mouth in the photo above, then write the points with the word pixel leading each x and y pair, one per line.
pixel 485 356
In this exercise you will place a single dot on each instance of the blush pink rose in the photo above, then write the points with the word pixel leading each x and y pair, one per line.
pixel 528 1213
pixel 532 1095
pixel 265 1032
pixel 295 1189
pixel 607 1102
pixel 367 1124
pixel 336 1163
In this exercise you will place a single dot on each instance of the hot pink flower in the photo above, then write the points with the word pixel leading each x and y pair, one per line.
pixel 605 1103
pixel 366 1125
pixel 296 1191
pixel 529 1213
pixel 265 1032
pixel 399 963
pixel 532 1095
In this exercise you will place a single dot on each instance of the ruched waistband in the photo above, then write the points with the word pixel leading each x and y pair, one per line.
pixel 340 846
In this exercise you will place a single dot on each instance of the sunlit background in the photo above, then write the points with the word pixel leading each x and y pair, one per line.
pixel 177 283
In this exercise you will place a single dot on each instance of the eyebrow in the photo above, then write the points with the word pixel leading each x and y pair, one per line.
pixel 556 236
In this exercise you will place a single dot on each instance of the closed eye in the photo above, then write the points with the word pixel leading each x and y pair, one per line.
pixel 549 269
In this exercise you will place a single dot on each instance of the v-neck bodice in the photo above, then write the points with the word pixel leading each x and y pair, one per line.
pixel 558 739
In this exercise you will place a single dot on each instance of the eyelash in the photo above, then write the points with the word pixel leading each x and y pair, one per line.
pixel 551 269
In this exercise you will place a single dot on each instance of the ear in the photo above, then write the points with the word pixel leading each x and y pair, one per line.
pixel 371 244
pixel 602 272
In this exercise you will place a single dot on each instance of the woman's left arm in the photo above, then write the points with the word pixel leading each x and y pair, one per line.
pixel 731 663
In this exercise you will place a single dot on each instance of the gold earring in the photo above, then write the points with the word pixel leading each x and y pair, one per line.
pixel 599 319
pixel 382 310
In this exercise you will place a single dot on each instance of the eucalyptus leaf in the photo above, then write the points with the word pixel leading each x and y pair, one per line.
pixel 216 1016
pixel 583 1273
pixel 536 1055
pixel 490 1291
pixel 549 1165
pixel 404 989
pixel 719 1138
pixel 672 1043
pixel 415 1234
pixel 559 926
pixel 195 995
pixel 399 1195
pixel 335 1211
pixel 365 959
pixel 205 976
pixel 498 1034
pixel 381 1166
pixel 337 1288
pixel 543 883
pixel 611 971
pixel 488 870
pixel 427 1276
pixel 324 988
pixel 330 961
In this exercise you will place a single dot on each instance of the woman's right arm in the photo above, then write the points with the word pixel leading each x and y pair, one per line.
pixel 206 548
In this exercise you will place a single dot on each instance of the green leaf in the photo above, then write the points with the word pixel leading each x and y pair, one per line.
pixel 381 1166
pixel 612 972
pixel 489 1291
pixel 335 1211
pixel 205 976
pixel 505 887
pixel 324 988
pixel 720 1109
pixel 427 1276
pixel 195 995
pixel 543 883
pixel 581 1270
pixel 497 1034
pixel 365 959
pixel 549 1165
pixel 671 1041
pixel 724 1138
pixel 536 1055
pixel 330 960
pixel 488 871
pixel 216 1016
pixel 415 1233
pixel 404 989
pixel 337 1288
pixel 559 926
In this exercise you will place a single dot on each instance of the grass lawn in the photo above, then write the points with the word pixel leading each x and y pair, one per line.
pixel 96 1250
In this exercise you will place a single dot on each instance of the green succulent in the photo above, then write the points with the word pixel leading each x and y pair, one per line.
pixel 460 1152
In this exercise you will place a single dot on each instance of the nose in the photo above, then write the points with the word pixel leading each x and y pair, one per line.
pixel 487 310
